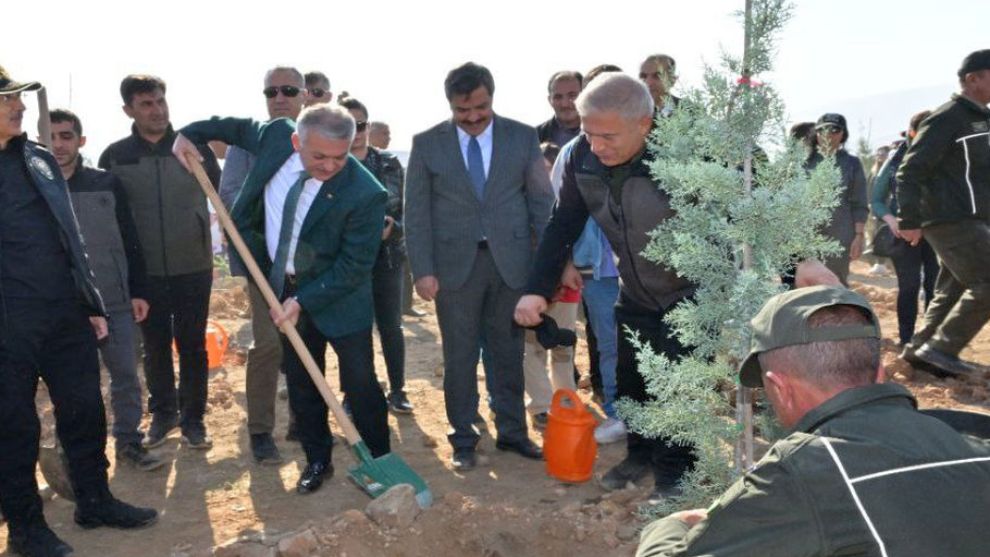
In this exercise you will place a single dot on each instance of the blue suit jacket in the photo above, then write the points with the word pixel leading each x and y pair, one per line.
pixel 340 237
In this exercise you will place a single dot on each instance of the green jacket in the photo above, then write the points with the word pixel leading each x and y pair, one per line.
pixel 864 474
pixel 340 236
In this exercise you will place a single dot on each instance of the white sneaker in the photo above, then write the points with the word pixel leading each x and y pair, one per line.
pixel 610 431
pixel 878 269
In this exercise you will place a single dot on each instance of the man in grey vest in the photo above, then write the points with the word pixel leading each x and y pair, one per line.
pixel 114 253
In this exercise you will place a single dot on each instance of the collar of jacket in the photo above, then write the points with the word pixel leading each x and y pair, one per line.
pixel 853 398
pixel 164 145
pixel 971 104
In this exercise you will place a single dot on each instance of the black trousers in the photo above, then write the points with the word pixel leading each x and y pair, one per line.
pixel 386 287
pixel 356 363
pixel 179 308
pixel 668 460
pixel 53 341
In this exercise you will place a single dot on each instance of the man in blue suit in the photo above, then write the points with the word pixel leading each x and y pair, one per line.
pixel 313 217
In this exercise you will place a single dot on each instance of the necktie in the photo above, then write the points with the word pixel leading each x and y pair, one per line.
pixel 277 275
pixel 476 167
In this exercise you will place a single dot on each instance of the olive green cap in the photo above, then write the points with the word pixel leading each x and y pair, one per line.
pixel 783 321
pixel 8 86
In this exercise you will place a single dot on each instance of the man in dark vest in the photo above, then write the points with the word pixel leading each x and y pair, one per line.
pixel 114 253
pixel 50 310
pixel 173 227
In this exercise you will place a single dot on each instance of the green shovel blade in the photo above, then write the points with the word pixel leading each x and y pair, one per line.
pixel 376 475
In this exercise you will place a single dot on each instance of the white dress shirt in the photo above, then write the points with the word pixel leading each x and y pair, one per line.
pixel 275 192
pixel 484 141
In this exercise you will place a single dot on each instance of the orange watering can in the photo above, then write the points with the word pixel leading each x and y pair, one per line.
pixel 569 446
pixel 216 344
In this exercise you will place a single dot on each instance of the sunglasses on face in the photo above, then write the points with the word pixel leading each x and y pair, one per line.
pixel 361 126
pixel 317 92
pixel 286 90
pixel 829 130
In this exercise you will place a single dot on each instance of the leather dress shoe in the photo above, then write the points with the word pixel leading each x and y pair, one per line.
pixel 313 476
pixel 947 364
pixel 112 512
pixel 524 448
pixel 464 459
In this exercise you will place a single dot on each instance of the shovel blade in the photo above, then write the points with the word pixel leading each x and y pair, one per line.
pixel 55 469
pixel 376 475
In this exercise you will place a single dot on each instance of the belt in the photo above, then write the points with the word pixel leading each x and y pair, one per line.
pixel 483 244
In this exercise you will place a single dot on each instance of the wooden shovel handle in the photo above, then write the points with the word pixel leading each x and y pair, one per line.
pixel 350 432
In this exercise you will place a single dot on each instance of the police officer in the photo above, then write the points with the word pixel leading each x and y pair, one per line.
pixel 862 472
pixel 49 310
pixel 944 195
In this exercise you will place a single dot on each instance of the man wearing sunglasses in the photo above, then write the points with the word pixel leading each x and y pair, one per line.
pixel 944 196
pixel 849 216
pixel 318 88
pixel 285 94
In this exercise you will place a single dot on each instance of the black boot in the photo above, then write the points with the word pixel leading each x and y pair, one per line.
pixel 36 540
pixel 105 510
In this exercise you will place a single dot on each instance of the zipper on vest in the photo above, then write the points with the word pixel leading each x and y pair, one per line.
pixel 161 212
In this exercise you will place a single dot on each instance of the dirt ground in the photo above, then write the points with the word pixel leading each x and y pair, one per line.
pixel 507 507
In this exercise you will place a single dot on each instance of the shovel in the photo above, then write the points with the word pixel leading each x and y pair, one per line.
pixel 374 475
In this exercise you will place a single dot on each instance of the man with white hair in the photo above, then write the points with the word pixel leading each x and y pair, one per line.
pixel 607 177
pixel 312 217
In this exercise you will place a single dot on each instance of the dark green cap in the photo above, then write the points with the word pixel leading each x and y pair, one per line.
pixel 783 321
pixel 9 86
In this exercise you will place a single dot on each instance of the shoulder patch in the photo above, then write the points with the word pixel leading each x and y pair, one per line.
pixel 981 126
pixel 42 167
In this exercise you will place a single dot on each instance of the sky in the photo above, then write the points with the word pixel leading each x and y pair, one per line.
pixel 877 61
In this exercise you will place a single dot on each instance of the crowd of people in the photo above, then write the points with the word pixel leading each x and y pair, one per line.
pixel 512 231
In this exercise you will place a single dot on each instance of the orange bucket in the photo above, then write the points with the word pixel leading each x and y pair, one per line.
pixel 216 344
pixel 569 446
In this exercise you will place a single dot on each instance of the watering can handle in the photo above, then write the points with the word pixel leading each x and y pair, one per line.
pixel 350 432
pixel 224 337
pixel 557 407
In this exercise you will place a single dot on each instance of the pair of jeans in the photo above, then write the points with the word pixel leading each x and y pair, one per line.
pixel 179 308
pixel 600 297
pixel 356 365
pixel 55 342
pixel 119 355
pixel 386 288
pixel 909 267
pixel 668 460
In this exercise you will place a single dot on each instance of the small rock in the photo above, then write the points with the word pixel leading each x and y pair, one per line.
pixel 300 544
pixel 351 518
pixel 560 492
pixel 624 496
pixel 429 442
pixel 570 507
pixel 627 532
pixel 579 534
pixel 611 541
pixel 453 499
pixel 243 549
pixel 396 508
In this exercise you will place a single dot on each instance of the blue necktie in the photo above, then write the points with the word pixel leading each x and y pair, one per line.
pixel 277 275
pixel 476 167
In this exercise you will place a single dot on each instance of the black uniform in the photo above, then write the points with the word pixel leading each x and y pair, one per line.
pixel 46 297
pixel 944 188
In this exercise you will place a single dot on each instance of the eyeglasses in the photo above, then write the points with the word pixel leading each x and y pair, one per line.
pixel 829 130
pixel 317 92
pixel 361 126
pixel 286 90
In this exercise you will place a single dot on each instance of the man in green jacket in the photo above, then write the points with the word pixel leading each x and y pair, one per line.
pixel 862 472
pixel 312 217
pixel 944 195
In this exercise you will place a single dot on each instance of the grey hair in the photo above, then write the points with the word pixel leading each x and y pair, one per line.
pixel 332 122
pixel 616 92
pixel 295 73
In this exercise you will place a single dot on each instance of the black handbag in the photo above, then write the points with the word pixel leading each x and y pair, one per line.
pixel 885 244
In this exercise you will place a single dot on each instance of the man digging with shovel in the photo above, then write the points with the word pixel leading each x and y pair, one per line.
pixel 313 218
